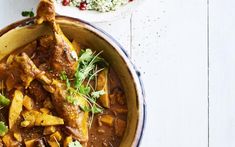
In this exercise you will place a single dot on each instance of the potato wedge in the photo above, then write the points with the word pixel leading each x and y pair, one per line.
pixel 41 119
pixel 107 119
pixel 28 103
pixel 102 84
pixel 49 130
pixel 67 141
pixel 29 143
pixel 15 108
pixel 48 120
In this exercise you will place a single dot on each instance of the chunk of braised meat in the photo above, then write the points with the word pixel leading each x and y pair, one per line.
pixel 120 126
pixel 45 11
pixel 41 143
pixel 30 48
pixel 76 120
pixel 63 55
pixel 37 91
pixel 3 69
pixel 46 41
pixel 42 53
pixel 117 96
pixel 10 73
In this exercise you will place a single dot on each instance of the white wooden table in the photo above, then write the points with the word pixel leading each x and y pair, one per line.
pixel 185 50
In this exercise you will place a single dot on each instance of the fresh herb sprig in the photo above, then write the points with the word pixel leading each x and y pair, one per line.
pixel 75 144
pixel 3 128
pixel 4 101
pixel 64 77
pixel 86 71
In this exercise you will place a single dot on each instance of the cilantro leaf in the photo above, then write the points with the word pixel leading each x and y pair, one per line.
pixel 85 108
pixel 86 56
pixel 72 100
pixel 86 64
pixel 96 109
pixel 97 94
pixel 4 101
pixel 75 144
pixel 64 77
pixel 3 128
pixel 84 89
pixel 27 13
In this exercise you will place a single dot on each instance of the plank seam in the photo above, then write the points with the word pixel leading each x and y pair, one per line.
pixel 208 70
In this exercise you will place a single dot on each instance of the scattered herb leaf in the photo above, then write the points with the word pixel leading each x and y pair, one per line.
pixel 27 13
pixel 75 144
pixel 4 101
pixel 64 77
pixel 97 94
pixel 95 109
pixel 88 63
pixel 84 89
pixel 3 128
pixel 72 100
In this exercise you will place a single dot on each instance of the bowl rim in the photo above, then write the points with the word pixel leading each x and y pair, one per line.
pixel 135 73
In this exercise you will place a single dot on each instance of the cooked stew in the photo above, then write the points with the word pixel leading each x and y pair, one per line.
pixel 54 92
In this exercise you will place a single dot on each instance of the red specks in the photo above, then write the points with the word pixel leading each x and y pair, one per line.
pixel 65 2
pixel 83 6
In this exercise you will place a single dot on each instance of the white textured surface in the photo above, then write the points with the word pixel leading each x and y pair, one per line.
pixel 167 40
pixel 222 77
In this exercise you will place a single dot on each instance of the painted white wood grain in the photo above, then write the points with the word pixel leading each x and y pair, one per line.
pixel 119 30
pixel 222 73
pixel 170 49
pixel 11 10
pixel 167 42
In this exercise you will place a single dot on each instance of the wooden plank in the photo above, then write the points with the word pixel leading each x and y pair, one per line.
pixel 118 29
pixel 222 73
pixel 170 49
pixel 11 10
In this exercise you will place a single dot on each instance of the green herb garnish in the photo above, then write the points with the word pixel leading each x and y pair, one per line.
pixel 75 144
pixel 3 128
pixel 27 13
pixel 97 94
pixel 80 87
pixel 96 109
pixel 87 63
pixel 64 77
pixel 4 101
pixel 84 89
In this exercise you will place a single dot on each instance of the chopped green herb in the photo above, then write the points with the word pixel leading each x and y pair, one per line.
pixel 84 89
pixel 86 56
pixel 72 100
pixel 95 109
pixel 71 96
pixel 97 94
pixel 3 128
pixel 27 13
pixel 85 108
pixel 75 144
pixel 4 101
pixel 88 63
pixel 64 77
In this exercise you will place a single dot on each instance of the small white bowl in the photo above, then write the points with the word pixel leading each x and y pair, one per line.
pixel 95 16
